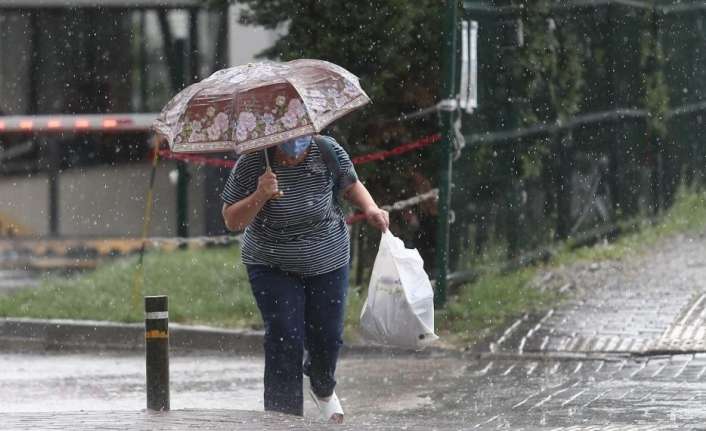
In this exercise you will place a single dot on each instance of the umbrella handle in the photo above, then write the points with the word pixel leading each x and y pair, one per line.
pixel 267 162
pixel 267 158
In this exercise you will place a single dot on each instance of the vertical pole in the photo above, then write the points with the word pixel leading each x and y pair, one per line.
pixel 194 53
pixel 562 143
pixel 654 141
pixel 664 161
pixel 142 63
pixel 34 59
pixel 54 168
pixel 511 166
pixel 33 108
pixel 514 202
pixel 448 91
pixel 696 136
pixel 616 149
pixel 361 247
pixel 157 352
pixel 214 178
pixel 182 197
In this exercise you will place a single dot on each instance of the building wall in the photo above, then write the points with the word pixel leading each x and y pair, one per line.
pixel 105 200
pixel 89 71
pixel 24 202
pixel 102 201
pixel 245 42
pixel 14 63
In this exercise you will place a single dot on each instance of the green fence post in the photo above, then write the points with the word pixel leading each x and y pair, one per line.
pixel 448 92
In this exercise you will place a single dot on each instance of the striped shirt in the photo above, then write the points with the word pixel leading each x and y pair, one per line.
pixel 303 231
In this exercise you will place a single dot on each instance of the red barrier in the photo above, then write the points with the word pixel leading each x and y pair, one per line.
pixel 355 218
pixel 405 148
pixel 366 158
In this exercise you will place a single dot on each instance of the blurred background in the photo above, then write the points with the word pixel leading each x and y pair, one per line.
pixel 578 119
pixel 65 177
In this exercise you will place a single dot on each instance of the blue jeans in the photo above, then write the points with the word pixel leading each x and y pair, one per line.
pixel 299 313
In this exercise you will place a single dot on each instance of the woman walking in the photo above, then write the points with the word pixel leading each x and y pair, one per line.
pixel 296 250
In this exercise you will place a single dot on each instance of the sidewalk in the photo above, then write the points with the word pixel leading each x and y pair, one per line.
pixel 651 304
pixel 208 391
pixel 37 335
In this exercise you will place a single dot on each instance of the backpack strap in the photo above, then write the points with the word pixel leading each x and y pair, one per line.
pixel 328 154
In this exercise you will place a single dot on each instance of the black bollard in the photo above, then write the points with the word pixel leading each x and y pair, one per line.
pixel 157 352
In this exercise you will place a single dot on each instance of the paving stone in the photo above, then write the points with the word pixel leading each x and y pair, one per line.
pixel 642 308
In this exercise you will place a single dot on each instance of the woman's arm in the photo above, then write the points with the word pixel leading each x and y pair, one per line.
pixel 239 215
pixel 359 196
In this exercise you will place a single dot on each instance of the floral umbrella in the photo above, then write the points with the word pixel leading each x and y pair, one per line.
pixel 258 105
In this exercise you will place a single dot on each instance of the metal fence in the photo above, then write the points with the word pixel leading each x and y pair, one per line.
pixel 590 114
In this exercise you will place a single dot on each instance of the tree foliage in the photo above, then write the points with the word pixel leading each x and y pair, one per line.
pixel 548 73
pixel 392 45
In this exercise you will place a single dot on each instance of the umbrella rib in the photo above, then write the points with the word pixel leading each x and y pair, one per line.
pixel 343 73
pixel 306 107
pixel 327 66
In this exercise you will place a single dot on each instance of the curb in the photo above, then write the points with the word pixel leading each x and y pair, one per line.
pixel 100 247
pixel 90 336
pixel 19 334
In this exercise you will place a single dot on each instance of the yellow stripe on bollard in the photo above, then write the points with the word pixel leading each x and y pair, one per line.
pixel 155 333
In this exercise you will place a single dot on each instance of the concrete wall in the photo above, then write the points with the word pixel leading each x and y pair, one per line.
pixel 245 42
pixel 102 201
pixel 24 202
pixel 14 63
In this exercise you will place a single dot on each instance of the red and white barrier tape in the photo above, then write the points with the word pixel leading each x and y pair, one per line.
pixel 399 205
pixel 354 218
pixel 401 149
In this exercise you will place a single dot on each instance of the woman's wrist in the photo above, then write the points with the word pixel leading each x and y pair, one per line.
pixel 370 208
pixel 259 197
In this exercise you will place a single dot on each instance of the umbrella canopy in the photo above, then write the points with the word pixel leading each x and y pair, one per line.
pixel 258 105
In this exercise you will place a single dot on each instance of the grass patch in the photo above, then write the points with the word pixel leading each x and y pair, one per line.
pixel 490 303
pixel 687 215
pixel 207 287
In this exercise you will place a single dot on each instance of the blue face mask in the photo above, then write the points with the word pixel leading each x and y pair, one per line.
pixel 296 147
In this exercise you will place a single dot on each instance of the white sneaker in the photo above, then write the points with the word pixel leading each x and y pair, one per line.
pixel 331 410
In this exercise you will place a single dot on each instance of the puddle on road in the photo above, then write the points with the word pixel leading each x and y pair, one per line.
pixel 51 382
pixel 369 386
pixel 407 401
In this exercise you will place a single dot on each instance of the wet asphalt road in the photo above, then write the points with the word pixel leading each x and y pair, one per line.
pixel 379 393
pixel 50 389
pixel 626 352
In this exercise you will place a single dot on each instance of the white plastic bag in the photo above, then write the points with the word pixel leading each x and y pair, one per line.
pixel 399 310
